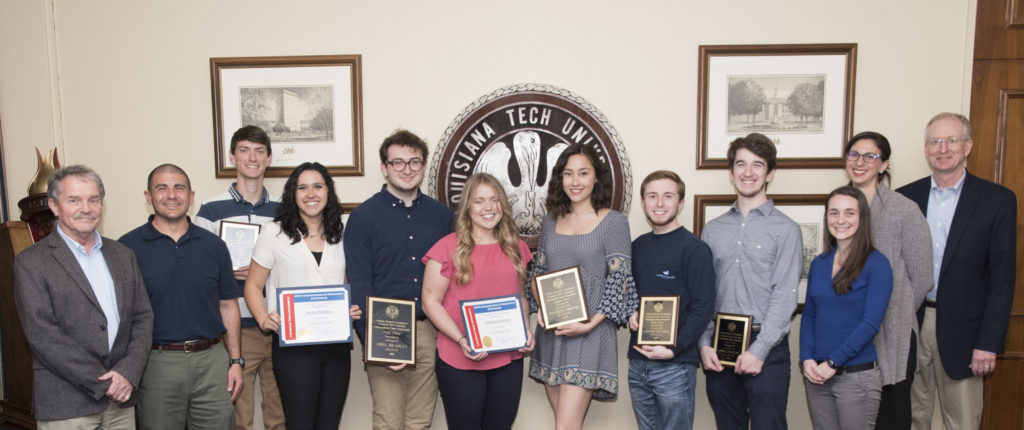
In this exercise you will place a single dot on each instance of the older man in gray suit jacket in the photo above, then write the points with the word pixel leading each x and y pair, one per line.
pixel 85 312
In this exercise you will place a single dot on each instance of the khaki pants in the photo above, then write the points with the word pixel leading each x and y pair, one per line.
pixel 961 401
pixel 404 400
pixel 182 389
pixel 256 351
pixel 113 418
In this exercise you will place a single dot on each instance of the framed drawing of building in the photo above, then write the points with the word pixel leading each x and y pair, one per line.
pixel 310 106
pixel 800 96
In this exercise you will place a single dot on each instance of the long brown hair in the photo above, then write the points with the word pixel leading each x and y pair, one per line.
pixel 860 245
pixel 505 232
pixel 558 203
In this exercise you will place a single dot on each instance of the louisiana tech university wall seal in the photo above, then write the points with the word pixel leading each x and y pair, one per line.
pixel 516 133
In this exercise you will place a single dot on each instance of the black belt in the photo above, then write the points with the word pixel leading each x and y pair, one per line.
pixel 194 345
pixel 929 303
pixel 855 368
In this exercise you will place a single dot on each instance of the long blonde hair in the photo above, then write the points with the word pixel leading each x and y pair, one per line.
pixel 505 232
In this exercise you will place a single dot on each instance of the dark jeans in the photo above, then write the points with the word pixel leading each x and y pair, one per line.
pixel 480 399
pixel 761 400
pixel 894 411
pixel 313 380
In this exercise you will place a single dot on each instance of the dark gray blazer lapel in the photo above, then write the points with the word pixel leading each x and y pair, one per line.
pixel 67 261
pixel 117 265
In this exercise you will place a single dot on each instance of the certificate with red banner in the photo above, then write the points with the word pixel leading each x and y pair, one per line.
pixel 495 324
pixel 312 315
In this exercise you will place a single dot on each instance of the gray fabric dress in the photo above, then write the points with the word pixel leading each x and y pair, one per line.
pixel 591 360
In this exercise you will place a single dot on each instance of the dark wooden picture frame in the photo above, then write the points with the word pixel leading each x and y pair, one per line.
pixel 250 90
pixel 794 65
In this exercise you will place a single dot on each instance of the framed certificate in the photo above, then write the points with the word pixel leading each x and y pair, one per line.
pixel 313 315
pixel 495 324
pixel 659 320
pixel 241 239
pixel 561 298
pixel 390 331
pixel 732 336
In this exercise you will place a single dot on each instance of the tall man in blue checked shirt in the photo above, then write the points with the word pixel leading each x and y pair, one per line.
pixel 669 261
pixel 385 240
pixel 758 253
pixel 248 201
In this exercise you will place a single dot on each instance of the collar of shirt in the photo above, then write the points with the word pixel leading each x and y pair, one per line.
pixel 766 208
pixel 955 188
pixel 264 198
pixel 97 242
pixel 150 233
pixel 395 201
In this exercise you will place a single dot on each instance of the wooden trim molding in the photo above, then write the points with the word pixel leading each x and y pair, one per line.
pixel 1014 14
pixel 1006 96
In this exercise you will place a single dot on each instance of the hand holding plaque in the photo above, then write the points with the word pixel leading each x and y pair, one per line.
pixel 732 336
pixel 659 320
pixel 561 298
pixel 390 331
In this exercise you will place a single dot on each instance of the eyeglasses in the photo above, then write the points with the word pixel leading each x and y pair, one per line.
pixel 399 164
pixel 952 140
pixel 869 157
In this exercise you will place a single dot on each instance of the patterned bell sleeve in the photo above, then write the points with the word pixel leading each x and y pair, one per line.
pixel 620 297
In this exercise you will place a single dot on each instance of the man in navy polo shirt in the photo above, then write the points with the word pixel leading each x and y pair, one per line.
pixel 248 201
pixel 189 379
pixel 385 241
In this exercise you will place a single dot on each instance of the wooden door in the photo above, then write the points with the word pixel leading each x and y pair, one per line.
pixel 997 118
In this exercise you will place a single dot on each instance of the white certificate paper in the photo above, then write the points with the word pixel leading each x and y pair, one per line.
pixel 495 324
pixel 312 315
pixel 241 239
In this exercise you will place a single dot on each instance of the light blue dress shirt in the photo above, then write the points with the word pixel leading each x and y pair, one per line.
pixel 96 271
pixel 941 207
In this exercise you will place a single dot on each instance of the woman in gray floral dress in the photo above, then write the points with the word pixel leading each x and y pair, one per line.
pixel 579 361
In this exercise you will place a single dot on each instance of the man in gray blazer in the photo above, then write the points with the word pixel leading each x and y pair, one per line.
pixel 85 312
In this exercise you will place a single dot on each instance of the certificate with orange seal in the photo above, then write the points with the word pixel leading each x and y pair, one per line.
pixel 494 324
pixel 313 315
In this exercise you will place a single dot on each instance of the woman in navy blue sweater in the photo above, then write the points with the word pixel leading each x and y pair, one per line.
pixel 848 289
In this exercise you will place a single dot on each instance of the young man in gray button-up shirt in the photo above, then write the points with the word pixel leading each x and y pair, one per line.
pixel 758 255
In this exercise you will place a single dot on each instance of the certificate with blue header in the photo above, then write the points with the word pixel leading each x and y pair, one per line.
pixel 494 324
pixel 313 315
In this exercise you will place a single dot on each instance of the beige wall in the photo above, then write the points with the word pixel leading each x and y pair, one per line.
pixel 124 85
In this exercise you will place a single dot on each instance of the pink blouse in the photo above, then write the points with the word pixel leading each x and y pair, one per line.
pixel 493 276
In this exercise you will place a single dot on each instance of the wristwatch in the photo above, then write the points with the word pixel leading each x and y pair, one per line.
pixel 239 361
pixel 831 364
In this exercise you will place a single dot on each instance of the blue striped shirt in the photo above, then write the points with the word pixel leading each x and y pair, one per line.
pixel 941 207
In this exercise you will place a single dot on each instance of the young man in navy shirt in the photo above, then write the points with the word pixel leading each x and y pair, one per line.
pixel 385 240
pixel 669 261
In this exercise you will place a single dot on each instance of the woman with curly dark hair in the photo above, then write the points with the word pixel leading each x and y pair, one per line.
pixel 579 361
pixel 301 248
